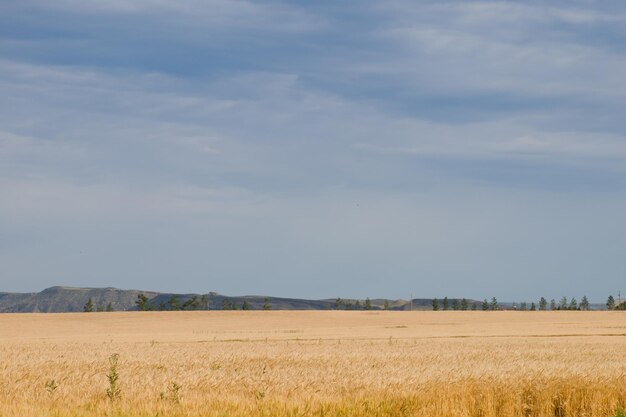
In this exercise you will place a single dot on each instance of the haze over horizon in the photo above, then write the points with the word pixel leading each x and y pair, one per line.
pixel 314 150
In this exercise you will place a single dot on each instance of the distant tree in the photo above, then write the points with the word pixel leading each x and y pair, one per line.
pixel 494 303
pixel 563 304
pixel 141 302
pixel 357 305
pixel 474 306
pixel 542 304
pixel 245 305
pixel 464 304
pixel 233 306
pixel 162 306
pixel 523 306
pixel 173 303
pixel 88 308
pixel 386 305
pixel 338 303
pixel 191 304
pixel 368 304
pixel 584 303
pixel 456 305
pixel 266 304
pixel 485 305
pixel 620 306
pixel 435 304
pixel 552 304
pixel 446 303
pixel 573 304
pixel 204 302
pixel 109 307
pixel 533 306
pixel 610 303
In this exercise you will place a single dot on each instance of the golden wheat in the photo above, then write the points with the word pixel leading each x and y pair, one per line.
pixel 430 364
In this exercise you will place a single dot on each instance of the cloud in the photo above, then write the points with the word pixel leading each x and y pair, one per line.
pixel 64 200
pixel 218 14
pixel 247 130
pixel 603 148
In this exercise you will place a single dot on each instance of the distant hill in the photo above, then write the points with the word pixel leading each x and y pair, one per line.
pixel 71 299
pixel 67 299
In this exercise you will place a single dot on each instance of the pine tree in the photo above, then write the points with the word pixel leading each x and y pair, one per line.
pixel 386 305
pixel 435 304
pixel 573 304
pixel 446 303
pixel 485 306
pixel 368 304
pixel 542 304
pixel 338 303
pixel 533 307
pixel 552 304
pixel 563 304
pixel 109 307
pixel 88 308
pixel 357 305
pixel 523 306
pixel 141 302
pixel 455 304
pixel 173 302
pixel 266 304
pixel 464 304
pixel 204 302
pixel 245 305
pixel 474 306
pixel 494 304
pixel 610 303
pixel 584 303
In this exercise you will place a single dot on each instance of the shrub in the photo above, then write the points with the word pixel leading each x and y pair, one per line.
pixel 113 392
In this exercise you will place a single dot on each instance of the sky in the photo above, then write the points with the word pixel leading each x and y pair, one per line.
pixel 314 149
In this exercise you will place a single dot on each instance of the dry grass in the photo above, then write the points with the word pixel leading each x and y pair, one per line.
pixel 435 364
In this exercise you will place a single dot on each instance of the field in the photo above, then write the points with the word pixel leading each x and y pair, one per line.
pixel 324 363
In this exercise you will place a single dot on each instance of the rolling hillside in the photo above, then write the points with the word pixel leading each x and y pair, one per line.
pixel 70 299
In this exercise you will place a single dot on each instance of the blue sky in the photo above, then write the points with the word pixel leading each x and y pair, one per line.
pixel 314 149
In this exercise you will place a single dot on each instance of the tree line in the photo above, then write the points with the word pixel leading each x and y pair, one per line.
pixel 202 303
pixel 541 305
pixel 143 303
pixel 341 304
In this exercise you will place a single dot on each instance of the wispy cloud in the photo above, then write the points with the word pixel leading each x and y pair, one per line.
pixel 225 14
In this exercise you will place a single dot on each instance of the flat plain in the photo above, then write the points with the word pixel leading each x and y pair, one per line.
pixel 314 363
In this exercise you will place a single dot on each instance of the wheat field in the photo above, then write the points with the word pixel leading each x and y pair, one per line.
pixel 319 363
